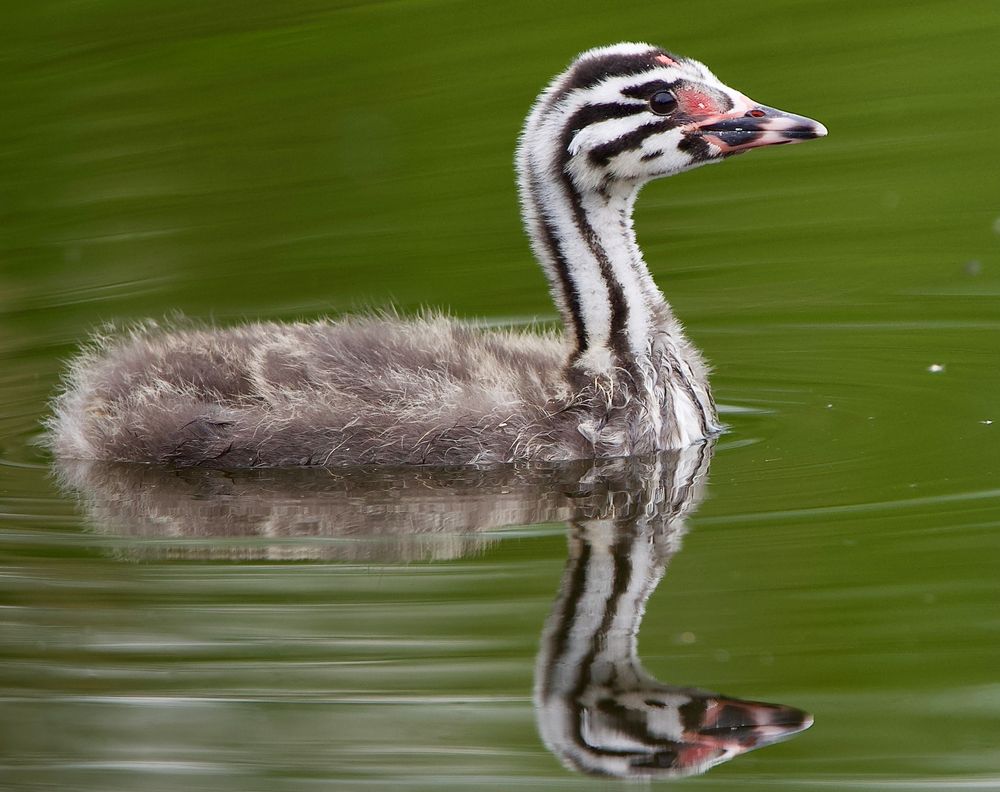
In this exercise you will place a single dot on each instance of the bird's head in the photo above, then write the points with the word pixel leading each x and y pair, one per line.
pixel 628 113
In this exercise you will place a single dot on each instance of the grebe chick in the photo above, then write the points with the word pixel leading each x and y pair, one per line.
pixel 621 379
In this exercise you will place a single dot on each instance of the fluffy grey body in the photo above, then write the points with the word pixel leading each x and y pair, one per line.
pixel 364 390
pixel 621 379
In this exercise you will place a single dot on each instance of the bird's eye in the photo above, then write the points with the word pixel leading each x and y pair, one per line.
pixel 662 103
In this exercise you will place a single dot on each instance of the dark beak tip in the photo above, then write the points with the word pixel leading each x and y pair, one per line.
pixel 808 130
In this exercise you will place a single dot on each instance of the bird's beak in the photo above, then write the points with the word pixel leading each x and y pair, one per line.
pixel 759 126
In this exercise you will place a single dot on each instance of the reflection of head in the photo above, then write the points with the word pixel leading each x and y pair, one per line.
pixel 597 708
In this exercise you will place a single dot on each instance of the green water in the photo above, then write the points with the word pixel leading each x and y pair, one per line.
pixel 296 159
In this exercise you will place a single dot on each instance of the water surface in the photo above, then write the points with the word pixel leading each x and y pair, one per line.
pixel 254 632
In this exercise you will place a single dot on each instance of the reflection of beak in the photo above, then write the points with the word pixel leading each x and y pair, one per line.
pixel 724 729
pixel 743 725
pixel 760 126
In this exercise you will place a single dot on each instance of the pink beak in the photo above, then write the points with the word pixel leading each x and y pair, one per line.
pixel 759 126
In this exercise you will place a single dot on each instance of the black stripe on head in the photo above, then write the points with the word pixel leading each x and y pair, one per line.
pixel 647 89
pixel 596 69
pixel 601 155
pixel 696 147
pixel 588 115
pixel 594 114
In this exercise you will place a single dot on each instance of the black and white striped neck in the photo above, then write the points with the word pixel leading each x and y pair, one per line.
pixel 584 238
pixel 589 144
pixel 619 117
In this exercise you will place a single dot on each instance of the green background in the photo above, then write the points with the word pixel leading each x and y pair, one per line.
pixel 289 160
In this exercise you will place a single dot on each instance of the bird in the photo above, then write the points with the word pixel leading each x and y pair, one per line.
pixel 620 377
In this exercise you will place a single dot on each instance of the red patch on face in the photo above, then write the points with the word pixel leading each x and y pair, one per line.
pixel 666 61
pixel 697 103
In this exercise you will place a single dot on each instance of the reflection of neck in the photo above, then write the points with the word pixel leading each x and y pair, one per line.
pixel 620 542
pixel 588 675
pixel 611 572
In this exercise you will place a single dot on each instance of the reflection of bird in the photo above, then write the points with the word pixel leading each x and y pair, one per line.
pixel 597 708
pixel 623 378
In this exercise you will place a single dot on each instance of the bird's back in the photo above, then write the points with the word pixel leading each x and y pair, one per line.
pixel 367 390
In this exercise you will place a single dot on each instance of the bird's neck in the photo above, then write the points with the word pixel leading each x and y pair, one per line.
pixel 585 241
